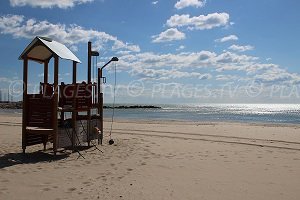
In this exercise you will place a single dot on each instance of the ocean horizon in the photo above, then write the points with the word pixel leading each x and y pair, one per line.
pixel 247 113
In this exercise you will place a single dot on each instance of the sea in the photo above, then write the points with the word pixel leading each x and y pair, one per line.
pixel 248 113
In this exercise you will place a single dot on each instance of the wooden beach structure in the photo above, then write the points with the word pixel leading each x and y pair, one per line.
pixel 66 115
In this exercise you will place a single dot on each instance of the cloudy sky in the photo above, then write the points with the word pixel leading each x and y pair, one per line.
pixel 170 51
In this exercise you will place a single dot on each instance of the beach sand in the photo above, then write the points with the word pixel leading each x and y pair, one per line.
pixel 158 160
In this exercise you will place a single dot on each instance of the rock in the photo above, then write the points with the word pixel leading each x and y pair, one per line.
pixel 134 107
pixel 11 105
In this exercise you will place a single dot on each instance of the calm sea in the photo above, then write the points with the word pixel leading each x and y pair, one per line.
pixel 263 113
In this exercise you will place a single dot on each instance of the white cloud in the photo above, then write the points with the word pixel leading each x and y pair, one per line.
pixel 5 80
pixel 227 38
pixel 165 74
pixel 168 35
pixel 222 77
pixel 274 76
pixel 200 22
pixel 154 2
pixel 181 47
pixel 181 60
pixel 153 66
pixel 48 3
pixel 259 67
pixel 71 35
pixel 241 48
pixel 186 61
pixel 229 60
pixel 187 3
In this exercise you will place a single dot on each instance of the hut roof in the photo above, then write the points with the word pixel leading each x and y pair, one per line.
pixel 42 49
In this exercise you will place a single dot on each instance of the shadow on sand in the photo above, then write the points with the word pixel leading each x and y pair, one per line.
pixel 12 159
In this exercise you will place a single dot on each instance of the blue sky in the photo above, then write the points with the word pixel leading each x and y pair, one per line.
pixel 175 51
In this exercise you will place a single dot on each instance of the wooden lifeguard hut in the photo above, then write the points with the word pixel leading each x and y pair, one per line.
pixel 44 113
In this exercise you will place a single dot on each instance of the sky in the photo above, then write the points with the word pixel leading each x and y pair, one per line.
pixel 170 51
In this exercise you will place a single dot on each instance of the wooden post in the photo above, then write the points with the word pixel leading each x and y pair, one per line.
pixel 89 61
pixel 24 115
pixel 74 72
pixel 55 106
pixel 88 82
pixel 45 72
pixel 74 112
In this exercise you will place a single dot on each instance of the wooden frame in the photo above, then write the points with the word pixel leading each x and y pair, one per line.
pixel 41 132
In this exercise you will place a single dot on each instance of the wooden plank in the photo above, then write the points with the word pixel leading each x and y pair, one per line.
pixel 55 106
pixel 46 72
pixel 74 72
pixel 24 115
pixel 89 61
pixel 36 59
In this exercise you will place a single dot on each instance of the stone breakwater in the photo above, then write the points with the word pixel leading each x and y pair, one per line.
pixel 18 105
pixel 135 107
pixel 10 105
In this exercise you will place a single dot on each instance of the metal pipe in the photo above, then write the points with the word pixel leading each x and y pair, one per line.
pixel 111 60
pixel 100 93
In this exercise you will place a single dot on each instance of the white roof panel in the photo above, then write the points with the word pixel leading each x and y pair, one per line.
pixel 42 52
pixel 61 50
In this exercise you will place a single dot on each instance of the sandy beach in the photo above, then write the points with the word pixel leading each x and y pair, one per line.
pixel 158 160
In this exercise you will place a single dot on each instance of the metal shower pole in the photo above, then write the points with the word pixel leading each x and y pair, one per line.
pixel 100 93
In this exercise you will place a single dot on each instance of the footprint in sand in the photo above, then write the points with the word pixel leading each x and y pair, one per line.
pixel 71 189
pixel 86 183
pixel 46 189
pixel 129 169
pixel 13 171
pixel 112 164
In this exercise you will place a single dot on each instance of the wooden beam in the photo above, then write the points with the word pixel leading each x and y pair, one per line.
pixel 74 112
pixel 74 72
pixel 89 61
pixel 46 72
pixel 88 82
pixel 24 115
pixel 36 59
pixel 55 106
